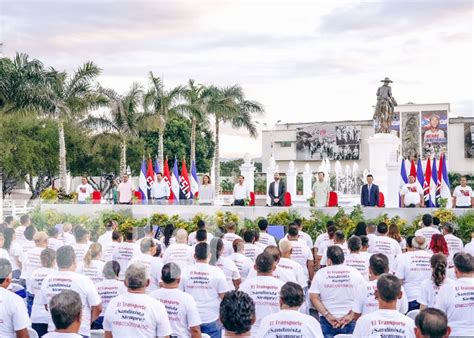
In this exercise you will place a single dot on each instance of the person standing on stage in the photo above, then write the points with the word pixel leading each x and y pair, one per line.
pixel 276 191
pixel 369 195
pixel 462 195
pixel 161 189
pixel 321 190
pixel 241 192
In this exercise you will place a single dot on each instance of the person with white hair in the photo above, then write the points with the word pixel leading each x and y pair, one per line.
pixel 66 236
pixel 67 279
pixel 31 259
pixel 149 251
pixel 13 314
pixel 286 263
pixel 413 267
pixel 134 313
pixel 180 252
pixel 66 311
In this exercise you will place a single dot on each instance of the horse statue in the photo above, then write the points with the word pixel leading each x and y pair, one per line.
pixel 384 109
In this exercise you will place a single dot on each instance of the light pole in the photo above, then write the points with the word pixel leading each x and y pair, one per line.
pixel 270 127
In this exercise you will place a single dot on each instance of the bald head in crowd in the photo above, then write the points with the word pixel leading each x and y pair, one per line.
pixel 182 236
pixel 431 323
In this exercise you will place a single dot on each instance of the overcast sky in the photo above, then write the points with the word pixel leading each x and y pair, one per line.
pixel 304 61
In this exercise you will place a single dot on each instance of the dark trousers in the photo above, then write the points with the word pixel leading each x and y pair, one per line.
pixel 98 323
pixel 330 332
pixel 29 302
pixel 40 328
pixel 239 202
pixel 413 305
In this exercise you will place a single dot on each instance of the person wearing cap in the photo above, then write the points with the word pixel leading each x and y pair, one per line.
pixel 276 191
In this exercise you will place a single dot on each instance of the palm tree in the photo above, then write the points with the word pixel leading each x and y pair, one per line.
pixel 195 108
pixel 71 98
pixel 124 119
pixel 228 105
pixel 161 105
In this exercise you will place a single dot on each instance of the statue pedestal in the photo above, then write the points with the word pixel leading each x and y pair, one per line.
pixel 383 165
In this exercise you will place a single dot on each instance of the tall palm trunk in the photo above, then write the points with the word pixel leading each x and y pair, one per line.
pixel 1 192
pixel 193 140
pixel 217 160
pixel 160 149
pixel 123 157
pixel 62 157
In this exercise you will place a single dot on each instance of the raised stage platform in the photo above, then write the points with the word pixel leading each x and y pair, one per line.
pixel 188 211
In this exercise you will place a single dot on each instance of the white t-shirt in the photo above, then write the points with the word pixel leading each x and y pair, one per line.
pixel 413 267
pixel 337 286
pixel 152 263
pixel 136 315
pixel 109 289
pixel 252 251
pixel 456 300
pixel 323 246
pixel 321 239
pixel 123 254
pixel 94 271
pixel 62 335
pixel 454 245
pixel 26 246
pixel 105 239
pixel 289 323
pixel 266 239
pixel 366 302
pixel 387 246
pixel 301 254
pixel 429 291
pixel 80 249
pixel 241 191
pixel 54 243
pixel 359 261
pixel 427 232
pixel 243 263
pixel 5 255
pixel 230 270
pixel 412 194
pixel 204 283
pixel 384 323
pixel 228 241
pixel 15 253
pixel 125 192
pixel 294 269
pixel 279 273
pixel 84 191
pixel 107 251
pixel 192 238
pixel 20 233
pixel 30 262
pixel 68 280
pixel 181 308
pixel 304 238
pixel 463 196
pixel 67 238
pixel 38 311
pixel 13 314
pixel 265 292
pixel 179 253
pixel 469 247
pixel 324 259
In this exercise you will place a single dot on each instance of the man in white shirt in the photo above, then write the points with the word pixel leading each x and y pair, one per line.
pixel 322 238
pixel 125 190
pixel 432 322
pixel 427 231
pixel 387 320
pixel 229 237
pixel 28 242
pixel 251 250
pixel 180 252
pixel 264 289
pixel 109 248
pixel 149 233
pixel 241 192
pixel 106 238
pixel 31 259
pixel 320 250
pixel 134 313
pixel 147 257
pixel 82 243
pixel 356 259
pixel 160 189
pixel 282 274
pixel 321 190
pixel 333 291
pixel 201 225
pixel 469 247
pixel 340 241
pixel 455 244
pixel 13 314
pixel 413 267
pixel 84 191
pixel 301 253
pixel 207 285
pixel 412 194
pixel 180 306
pixel 125 251
pixel 53 241
pixel 462 195
pixel 265 238
pixel 286 263
pixel 243 263
pixel 384 244
pixel 366 301
pixel 455 299
pixel 289 322
pixel 67 279
pixel 237 314
pixel 20 230
pixel 303 236
pixel 66 311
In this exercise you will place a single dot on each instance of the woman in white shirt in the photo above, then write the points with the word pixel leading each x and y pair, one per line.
pixel 92 265
pixel 206 191
pixel 14 250
pixel 227 265
pixel 430 287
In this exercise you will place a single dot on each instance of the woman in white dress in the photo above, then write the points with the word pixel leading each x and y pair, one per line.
pixel 206 191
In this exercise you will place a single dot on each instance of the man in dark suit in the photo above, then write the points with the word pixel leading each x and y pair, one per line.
pixel 277 191
pixel 369 196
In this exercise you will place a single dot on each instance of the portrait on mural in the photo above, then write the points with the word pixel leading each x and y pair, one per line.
pixel 469 140
pixel 434 126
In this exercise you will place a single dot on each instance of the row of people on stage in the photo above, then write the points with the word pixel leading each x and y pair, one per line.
pixel 179 284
